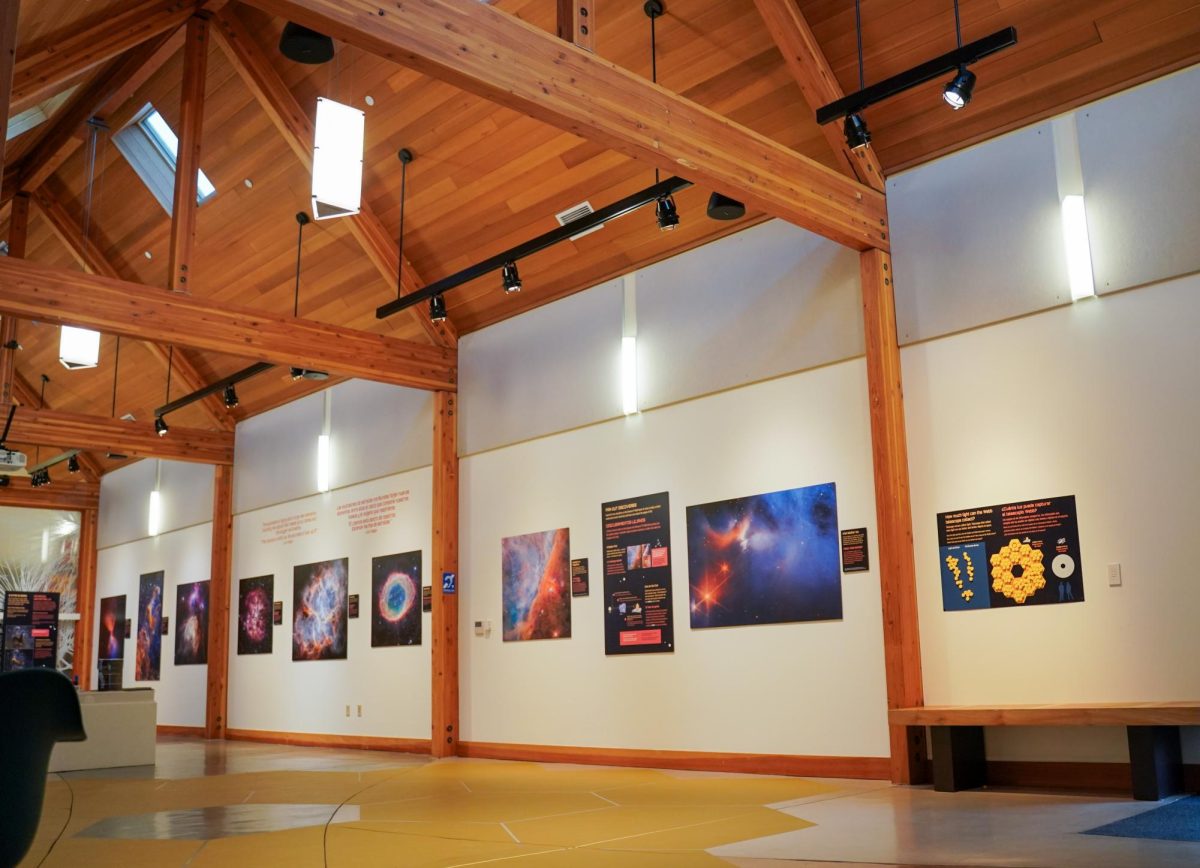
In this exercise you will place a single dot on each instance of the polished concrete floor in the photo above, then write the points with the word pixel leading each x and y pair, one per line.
pixel 231 803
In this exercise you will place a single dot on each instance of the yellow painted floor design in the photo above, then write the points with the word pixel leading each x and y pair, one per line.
pixel 407 811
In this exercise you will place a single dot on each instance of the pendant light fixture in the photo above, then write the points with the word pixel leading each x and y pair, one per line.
pixel 337 160
pixel 40 476
pixel 80 348
pixel 437 305
pixel 160 424
pixel 855 128
pixel 665 211
pixel 299 373
pixel 958 90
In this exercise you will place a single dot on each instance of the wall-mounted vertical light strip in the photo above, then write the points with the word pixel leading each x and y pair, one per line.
pixel 337 160
pixel 1069 172
pixel 629 365
pixel 324 450
pixel 154 516
pixel 45 544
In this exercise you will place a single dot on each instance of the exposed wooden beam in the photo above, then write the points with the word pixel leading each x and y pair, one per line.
pixel 296 127
pixel 804 58
pixel 8 60
pixel 187 163
pixel 85 596
pixel 93 260
pixel 893 510
pixel 60 494
pixel 116 307
pixel 445 729
pixel 114 86
pixel 45 73
pixel 219 594
pixel 18 236
pixel 577 22
pixel 494 54
pixel 27 396
pixel 135 439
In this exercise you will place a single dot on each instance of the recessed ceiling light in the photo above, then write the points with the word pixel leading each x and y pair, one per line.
pixel 248 183
pixel 149 255
pixel 369 100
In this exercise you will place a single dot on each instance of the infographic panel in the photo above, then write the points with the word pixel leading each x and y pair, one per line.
pixel 149 627
pixel 536 585
pixel 30 630
pixel 1012 554
pixel 765 559
pixel 320 606
pixel 637 575
pixel 396 600
pixel 256 601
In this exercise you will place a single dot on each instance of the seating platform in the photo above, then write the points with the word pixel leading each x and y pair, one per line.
pixel 1155 754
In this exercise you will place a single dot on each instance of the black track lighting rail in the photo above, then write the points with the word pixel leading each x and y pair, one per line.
pixel 617 209
pixel 927 71
pixel 50 462
pixel 213 388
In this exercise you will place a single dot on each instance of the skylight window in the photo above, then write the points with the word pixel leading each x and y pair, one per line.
pixel 151 147
pixel 25 121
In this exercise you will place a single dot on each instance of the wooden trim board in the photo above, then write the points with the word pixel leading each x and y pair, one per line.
pixel 319 739
pixel 172 729
pixel 1185 713
pixel 865 768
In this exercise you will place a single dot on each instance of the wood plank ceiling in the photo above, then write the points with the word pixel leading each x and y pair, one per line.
pixel 486 178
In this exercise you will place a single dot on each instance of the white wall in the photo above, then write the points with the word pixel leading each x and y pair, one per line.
pixel 270 691
pixel 183 556
pixel 812 688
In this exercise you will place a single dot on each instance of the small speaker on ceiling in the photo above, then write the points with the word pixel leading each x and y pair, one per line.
pixel 302 45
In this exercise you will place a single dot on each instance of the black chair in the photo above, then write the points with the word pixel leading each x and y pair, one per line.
pixel 38 707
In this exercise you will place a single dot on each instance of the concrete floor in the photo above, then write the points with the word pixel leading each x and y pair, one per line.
pixel 232 803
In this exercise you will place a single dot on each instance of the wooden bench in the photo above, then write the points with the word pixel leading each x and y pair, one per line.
pixel 1155 757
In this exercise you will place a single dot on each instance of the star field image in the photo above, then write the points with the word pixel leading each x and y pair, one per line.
pixel 767 558
pixel 191 624
pixel 149 627
pixel 319 610
pixel 536 589
pixel 255 599
pixel 112 628
pixel 396 600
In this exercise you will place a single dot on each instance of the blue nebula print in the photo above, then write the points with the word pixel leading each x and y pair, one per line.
pixel 765 559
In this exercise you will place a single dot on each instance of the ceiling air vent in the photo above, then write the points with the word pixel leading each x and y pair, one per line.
pixel 574 213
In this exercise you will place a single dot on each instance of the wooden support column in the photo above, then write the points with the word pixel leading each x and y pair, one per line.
pixel 187 162
pixel 8 61
pixel 85 597
pixel 445 735
pixel 577 22
pixel 18 235
pixel 217 700
pixel 893 509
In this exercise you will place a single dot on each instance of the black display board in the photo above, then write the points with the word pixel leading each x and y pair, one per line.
pixel 856 557
pixel 30 630
pixel 1012 554
pixel 579 577
pixel 637 575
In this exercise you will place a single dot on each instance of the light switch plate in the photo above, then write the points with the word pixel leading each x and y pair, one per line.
pixel 1114 575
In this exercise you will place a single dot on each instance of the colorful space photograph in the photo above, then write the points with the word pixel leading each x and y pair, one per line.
pixel 112 629
pixel 319 610
pixel 256 597
pixel 396 600
pixel 149 627
pixel 536 589
pixel 191 624
pixel 765 559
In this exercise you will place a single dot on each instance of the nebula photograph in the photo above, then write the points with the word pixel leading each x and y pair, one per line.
pixel 256 598
pixel 396 600
pixel 765 559
pixel 149 627
pixel 112 629
pixel 191 624
pixel 319 610
pixel 536 585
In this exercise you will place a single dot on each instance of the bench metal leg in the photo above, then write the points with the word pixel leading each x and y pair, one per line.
pixel 1156 758
pixel 959 762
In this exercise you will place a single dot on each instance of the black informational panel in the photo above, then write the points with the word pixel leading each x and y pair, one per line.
pixel 30 630
pixel 637 575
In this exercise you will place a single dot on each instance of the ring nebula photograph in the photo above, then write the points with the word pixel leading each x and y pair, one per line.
pixel 191 624
pixel 536 570
pixel 396 600
pixel 320 609
pixel 765 559
pixel 256 597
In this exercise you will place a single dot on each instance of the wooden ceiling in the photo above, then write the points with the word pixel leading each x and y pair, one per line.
pixel 486 178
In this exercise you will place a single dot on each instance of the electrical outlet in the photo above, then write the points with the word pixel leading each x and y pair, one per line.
pixel 360 711
pixel 1114 575
pixel 347 711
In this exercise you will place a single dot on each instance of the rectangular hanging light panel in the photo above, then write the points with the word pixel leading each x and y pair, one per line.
pixel 78 348
pixel 337 160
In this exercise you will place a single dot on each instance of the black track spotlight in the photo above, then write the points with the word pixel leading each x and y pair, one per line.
pixel 511 277
pixel 230 396
pixel 856 132
pixel 73 464
pixel 666 213
pixel 437 309
pixel 308 374
pixel 721 207
pixel 302 45
pixel 160 426
pixel 958 91
pixel 3 482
